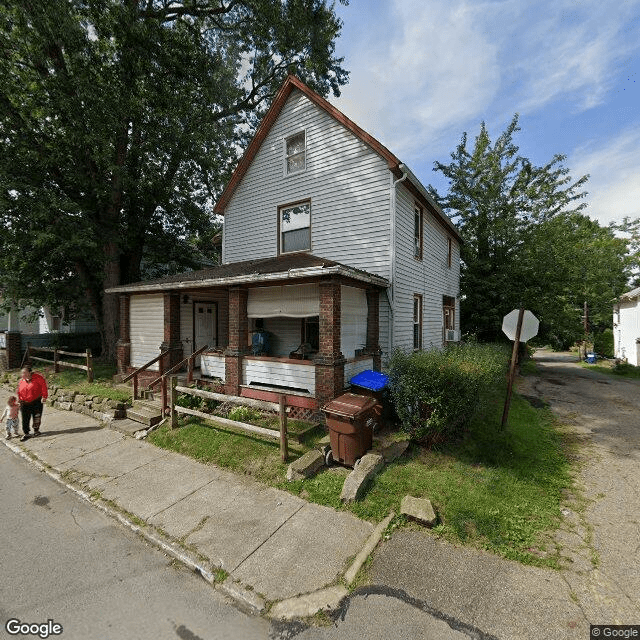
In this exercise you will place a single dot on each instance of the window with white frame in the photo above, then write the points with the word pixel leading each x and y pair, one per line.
pixel 417 322
pixel 295 153
pixel 295 227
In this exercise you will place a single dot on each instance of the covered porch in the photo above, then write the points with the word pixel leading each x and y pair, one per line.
pixel 294 325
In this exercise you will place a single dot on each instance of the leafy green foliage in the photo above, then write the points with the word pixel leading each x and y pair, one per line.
pixel 245 414
pixel 436 392
pixel 119 124
pixel 526 242
pixel 603 343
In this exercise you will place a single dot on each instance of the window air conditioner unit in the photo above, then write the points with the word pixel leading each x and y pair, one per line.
pixel 453 335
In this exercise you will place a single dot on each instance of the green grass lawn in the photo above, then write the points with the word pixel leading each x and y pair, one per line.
pixel 500 491
pixel 621 370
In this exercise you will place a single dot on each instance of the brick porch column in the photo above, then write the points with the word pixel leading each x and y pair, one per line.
pixel 123 346
pixel 329 360
pixel 171 331
pixel 13 350
pixel 372 347
pixel 238 339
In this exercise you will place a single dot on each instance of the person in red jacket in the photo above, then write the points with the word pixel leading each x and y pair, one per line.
pixel 32 392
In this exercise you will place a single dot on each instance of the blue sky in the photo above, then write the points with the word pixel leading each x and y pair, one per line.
pixel 425 71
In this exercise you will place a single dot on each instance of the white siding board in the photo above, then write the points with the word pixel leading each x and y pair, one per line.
pixel 146 328
pixel 212 365
pixel 347 183
pixel 355 367
pixel 266 372
pixel 429 277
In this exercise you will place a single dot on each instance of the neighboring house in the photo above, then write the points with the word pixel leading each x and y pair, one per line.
pixel 330 245
pixel 30 320
pixel 626 327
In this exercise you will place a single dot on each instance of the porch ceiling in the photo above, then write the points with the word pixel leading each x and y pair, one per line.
pixel 288 267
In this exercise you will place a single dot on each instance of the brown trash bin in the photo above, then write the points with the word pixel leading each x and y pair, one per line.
pixel 350 420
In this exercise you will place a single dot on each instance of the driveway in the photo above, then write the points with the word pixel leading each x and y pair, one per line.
pixel 599 540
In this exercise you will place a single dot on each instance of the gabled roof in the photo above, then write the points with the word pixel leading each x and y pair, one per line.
pixel 395 165
pixel 630 295
pixel 292 266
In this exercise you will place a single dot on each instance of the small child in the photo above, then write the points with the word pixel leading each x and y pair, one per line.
pixel 11 414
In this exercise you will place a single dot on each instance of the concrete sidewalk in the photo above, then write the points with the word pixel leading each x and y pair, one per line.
pixel 274 546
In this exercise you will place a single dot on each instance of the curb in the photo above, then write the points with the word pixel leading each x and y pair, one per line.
pixel 305 605
pixel 168 547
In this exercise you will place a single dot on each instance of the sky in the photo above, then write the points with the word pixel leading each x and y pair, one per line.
pixel 422 72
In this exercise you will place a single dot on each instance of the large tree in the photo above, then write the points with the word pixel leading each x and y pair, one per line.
pixel 120 121
pixel 525 240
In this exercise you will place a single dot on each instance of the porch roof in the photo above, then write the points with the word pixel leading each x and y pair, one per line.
pixel 289 267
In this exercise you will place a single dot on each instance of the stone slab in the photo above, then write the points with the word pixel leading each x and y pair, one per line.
pixel 419 509
pixel 305 466
pixel 228 519
pixel 308 552
pixel 356 482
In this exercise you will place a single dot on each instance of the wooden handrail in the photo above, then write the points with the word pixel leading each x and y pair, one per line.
pixel 178 366
pixel 145 366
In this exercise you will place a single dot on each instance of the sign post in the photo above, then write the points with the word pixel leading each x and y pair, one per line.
pixel 520 325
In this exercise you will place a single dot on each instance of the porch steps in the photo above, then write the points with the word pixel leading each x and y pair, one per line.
pixel 147 412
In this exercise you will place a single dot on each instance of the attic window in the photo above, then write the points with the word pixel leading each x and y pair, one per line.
pixel 295 151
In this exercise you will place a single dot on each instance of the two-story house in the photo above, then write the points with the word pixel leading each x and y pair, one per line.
pixel 331 247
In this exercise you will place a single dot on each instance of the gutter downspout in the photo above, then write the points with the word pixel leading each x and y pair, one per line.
pixel 392 277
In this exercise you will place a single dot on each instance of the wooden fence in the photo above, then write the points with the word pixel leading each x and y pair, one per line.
pixel 249 428
pixel 57 362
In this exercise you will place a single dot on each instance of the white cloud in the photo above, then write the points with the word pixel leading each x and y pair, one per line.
pixel 435 69
pixel 572 50
pixel 614 183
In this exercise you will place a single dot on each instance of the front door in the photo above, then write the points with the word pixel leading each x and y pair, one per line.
pixel 205 326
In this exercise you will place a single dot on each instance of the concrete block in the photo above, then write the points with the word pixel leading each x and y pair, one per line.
pixel 308 605
pixel 356 482
pixel 419 509
pixel 306 466
pixel 394 450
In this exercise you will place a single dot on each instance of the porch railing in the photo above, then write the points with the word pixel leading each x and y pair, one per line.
pixel 138 371
pixel 163 376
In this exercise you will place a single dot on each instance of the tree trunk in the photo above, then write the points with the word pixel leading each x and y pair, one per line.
pixel 110 315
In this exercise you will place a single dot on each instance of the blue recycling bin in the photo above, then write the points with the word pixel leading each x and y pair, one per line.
pixel 591 358
pixel 376 385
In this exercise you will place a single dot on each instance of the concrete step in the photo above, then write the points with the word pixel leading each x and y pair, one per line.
pixel 149 416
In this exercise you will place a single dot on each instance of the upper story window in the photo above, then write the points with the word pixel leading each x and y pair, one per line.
pixel 449 252
pixel 295 153
pixel 417 231
pixel 295 227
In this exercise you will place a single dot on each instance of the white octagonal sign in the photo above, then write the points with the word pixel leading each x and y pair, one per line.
pixel 529 329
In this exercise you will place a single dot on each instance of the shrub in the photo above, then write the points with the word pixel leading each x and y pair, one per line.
pixel 603 343
pixel 245 414
pixel 435 392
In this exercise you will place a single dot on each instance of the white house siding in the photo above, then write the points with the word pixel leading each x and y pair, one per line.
pixel 146 328
pixel 430 277
pixel 213 365
pixel 353 321
pixel 284 374
pixel 346 182
pixel 627 331
pixel 355 367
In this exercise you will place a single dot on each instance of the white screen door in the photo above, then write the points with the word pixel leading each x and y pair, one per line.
pixel 204 326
